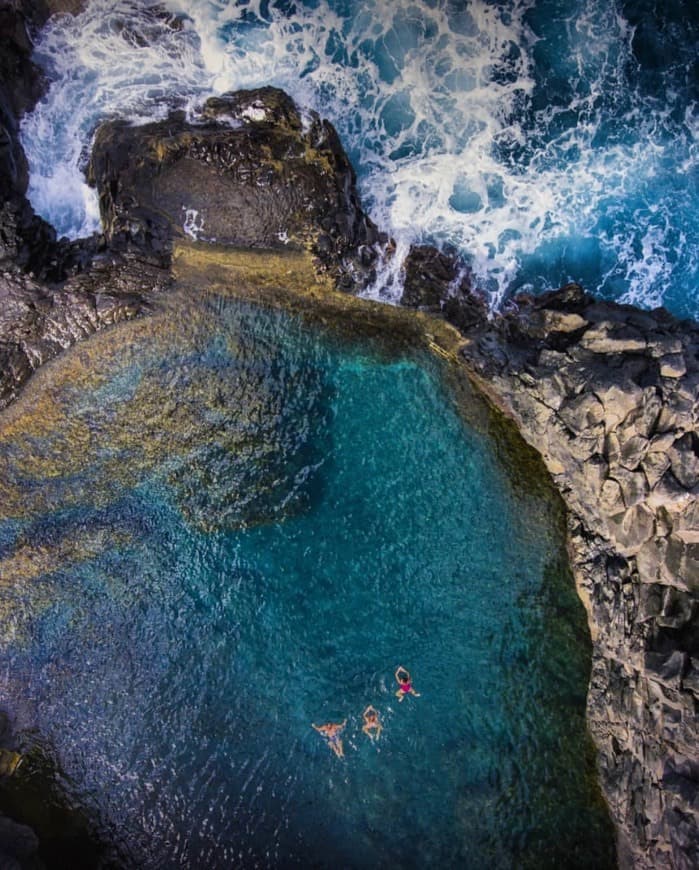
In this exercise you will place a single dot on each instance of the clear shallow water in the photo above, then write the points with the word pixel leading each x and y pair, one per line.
pixel 171 654
pixel 548 140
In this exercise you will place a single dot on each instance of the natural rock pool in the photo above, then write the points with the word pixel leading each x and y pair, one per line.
pixel 221 526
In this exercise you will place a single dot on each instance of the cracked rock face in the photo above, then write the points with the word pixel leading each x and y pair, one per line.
pixel 610 397
pixel 38 321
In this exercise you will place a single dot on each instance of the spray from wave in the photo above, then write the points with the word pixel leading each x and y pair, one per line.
pixel 544 139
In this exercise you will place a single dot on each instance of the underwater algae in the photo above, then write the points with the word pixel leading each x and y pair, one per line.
pixel 177 422
pixel 132 365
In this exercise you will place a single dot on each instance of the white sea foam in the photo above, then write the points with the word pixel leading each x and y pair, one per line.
pixel 193 224
pixel 450 111
pixel 116 59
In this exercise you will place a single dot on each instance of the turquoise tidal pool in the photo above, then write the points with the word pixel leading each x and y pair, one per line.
pixel 222 527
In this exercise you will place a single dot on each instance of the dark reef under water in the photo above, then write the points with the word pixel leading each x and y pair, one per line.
pixel 221 527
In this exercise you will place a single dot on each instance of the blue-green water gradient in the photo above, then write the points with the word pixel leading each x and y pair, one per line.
pixel 175 668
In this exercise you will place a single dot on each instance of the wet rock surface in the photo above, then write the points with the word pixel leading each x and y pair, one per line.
pixel 25 239
pixel 38 321
pixel 437 282
pixel 251 172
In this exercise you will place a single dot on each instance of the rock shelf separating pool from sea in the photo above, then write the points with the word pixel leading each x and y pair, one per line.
pixel 607 394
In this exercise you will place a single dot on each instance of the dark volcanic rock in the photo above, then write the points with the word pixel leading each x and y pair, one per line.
pixel 429 276
pixel 254 173
pixel 610 398
pixel 21 84
pixel 26 240
pixel 437 282
pixel 38 321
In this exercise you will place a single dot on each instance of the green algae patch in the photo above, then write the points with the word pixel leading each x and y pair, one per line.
pixel 294 282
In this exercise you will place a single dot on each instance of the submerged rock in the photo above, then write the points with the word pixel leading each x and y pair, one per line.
pixel 19 846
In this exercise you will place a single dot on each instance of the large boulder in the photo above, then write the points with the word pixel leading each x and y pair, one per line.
pixel 253 172
pixel 438 282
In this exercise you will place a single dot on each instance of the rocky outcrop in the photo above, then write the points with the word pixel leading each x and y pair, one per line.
pixel 21 84
pixel 38 321
pixel 439 283
pixel 26 241
pixel 609 396
pixel 253 172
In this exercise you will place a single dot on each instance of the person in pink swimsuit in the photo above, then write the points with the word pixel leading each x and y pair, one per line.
pixel 405 686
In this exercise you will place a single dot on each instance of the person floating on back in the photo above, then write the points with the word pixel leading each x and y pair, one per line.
pixel 405 686
pixel 332 732
pixel 372 723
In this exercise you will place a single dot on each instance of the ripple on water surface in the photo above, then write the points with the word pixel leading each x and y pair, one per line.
pixel 222 527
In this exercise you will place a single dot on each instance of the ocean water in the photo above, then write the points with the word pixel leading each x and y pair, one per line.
pixel 220 528
pixel 546 140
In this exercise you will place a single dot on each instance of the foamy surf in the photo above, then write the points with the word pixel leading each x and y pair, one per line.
pixel 533 140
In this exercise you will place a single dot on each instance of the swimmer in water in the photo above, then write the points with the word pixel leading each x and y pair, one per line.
pixel 332 732
pixel 405 686
pixel 371 723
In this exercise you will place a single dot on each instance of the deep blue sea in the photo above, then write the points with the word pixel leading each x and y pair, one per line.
pixel 221 527
pixel 547 140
